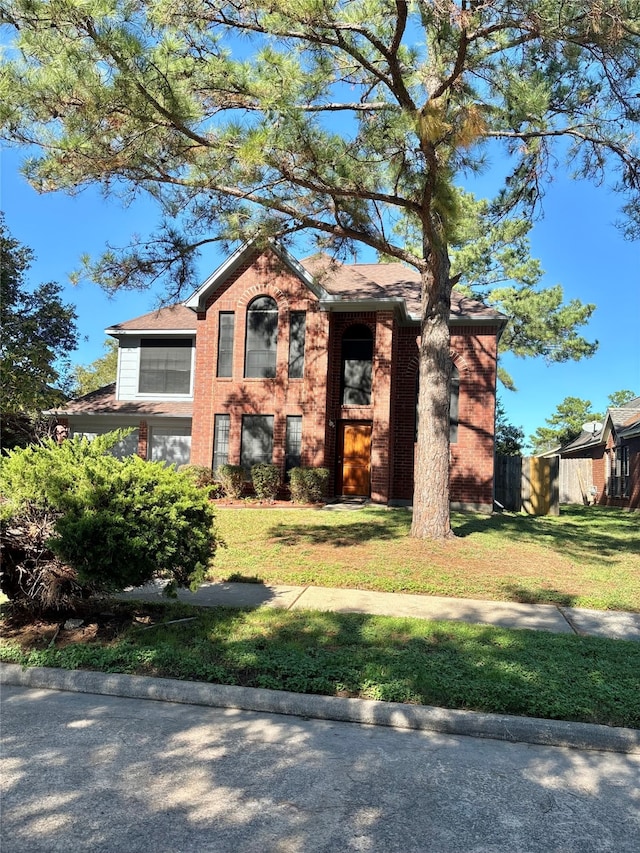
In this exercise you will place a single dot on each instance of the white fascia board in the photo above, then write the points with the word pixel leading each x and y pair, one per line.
pixel 339 304
pixel 174 333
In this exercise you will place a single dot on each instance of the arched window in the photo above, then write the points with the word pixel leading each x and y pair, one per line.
pixel 453 404
pixel 357 360
pixel 262 338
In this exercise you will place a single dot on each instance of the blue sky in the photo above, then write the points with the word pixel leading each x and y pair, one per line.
pixel 576 241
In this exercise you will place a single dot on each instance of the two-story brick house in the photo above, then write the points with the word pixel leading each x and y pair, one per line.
pixel 311 363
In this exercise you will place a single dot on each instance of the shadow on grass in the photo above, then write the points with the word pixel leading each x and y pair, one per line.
pixel 453 665
pixel 538 595
pixel 346 532
pixel 597 531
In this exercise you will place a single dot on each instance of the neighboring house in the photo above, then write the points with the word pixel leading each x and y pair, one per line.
pixel 312 364
pixel 613 454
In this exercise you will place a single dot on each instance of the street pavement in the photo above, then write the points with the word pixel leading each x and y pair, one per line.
pixel 87 772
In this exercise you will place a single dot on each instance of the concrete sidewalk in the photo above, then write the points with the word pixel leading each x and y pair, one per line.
pixel 506 614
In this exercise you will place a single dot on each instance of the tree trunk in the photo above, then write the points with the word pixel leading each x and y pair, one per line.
pixel 431 514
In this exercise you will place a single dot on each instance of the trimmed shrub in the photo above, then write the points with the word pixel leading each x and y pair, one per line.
pixel 97 523
pixel 266 480
pixel 308 485
pixel 231 478
pixel 203 477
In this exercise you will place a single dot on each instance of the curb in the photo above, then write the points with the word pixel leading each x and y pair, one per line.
pixel 364 711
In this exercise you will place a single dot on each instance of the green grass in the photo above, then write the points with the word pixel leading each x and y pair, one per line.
pixel 587 557
pixel 447 664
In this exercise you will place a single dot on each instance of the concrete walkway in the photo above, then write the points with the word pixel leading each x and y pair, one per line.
pixel 506 614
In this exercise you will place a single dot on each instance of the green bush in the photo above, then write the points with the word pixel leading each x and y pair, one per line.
pixel 308 485
pixel 112 523
pixel 203 477
pixel 231 478
pixel 266 480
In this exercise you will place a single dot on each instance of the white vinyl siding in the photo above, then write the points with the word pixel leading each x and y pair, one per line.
pixel 129 369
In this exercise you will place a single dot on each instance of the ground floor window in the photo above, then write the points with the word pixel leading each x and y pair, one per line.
pixel 454 405
pixel 293 442
pixel 221 441
pixel 170 444
pixel 257 440
pixel 618 486
pixel 128 446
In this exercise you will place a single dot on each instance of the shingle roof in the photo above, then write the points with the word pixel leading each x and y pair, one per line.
pixel 177 318
pixel 389 281
pixel 103 402
pixel 346 283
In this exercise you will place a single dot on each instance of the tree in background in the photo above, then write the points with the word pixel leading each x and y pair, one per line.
pixel 101 372
pixel 564 425
pixel 619 398
pixel 38 335
pixel 509 440
pixel 332 118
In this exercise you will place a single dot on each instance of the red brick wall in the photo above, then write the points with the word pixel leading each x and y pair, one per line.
pixel 280 396
pixel 473 350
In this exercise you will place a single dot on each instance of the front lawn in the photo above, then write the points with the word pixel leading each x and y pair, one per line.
pixel 586 557
pixel 447 664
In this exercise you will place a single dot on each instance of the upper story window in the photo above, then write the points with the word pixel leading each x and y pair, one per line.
pixel 262 338
pixel 357 362
pixel 297 329
pixel 165 366
pixel 226 329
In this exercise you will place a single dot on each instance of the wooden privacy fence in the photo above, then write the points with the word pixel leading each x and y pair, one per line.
pixel 527 483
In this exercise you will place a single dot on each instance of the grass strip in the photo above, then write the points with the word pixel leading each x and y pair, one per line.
pixel 586 557
pixel 445 664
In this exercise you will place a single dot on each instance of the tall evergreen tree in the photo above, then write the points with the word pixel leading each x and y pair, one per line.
pixel 38 335
pixel 330 117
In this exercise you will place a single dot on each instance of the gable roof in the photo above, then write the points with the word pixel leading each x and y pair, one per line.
pixel 623 420
pixel 338 287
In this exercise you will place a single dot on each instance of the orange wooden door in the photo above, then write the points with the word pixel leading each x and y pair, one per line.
pixel 354 459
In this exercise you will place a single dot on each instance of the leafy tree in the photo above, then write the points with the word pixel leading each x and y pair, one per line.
pixel 334 118
pixel 99 373
pixel 509 439
pixel 564 425
pixel 38 335
pixel 619 398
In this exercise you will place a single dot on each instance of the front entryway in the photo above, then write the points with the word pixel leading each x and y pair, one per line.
pixel 354 458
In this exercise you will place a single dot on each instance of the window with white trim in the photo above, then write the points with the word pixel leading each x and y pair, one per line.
pixel 165 366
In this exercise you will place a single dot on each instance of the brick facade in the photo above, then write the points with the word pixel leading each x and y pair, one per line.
pixel 317 397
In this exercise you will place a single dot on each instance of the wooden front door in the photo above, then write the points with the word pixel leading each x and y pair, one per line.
pixel 354 459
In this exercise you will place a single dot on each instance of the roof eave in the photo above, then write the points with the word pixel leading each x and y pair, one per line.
pixel 121 333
